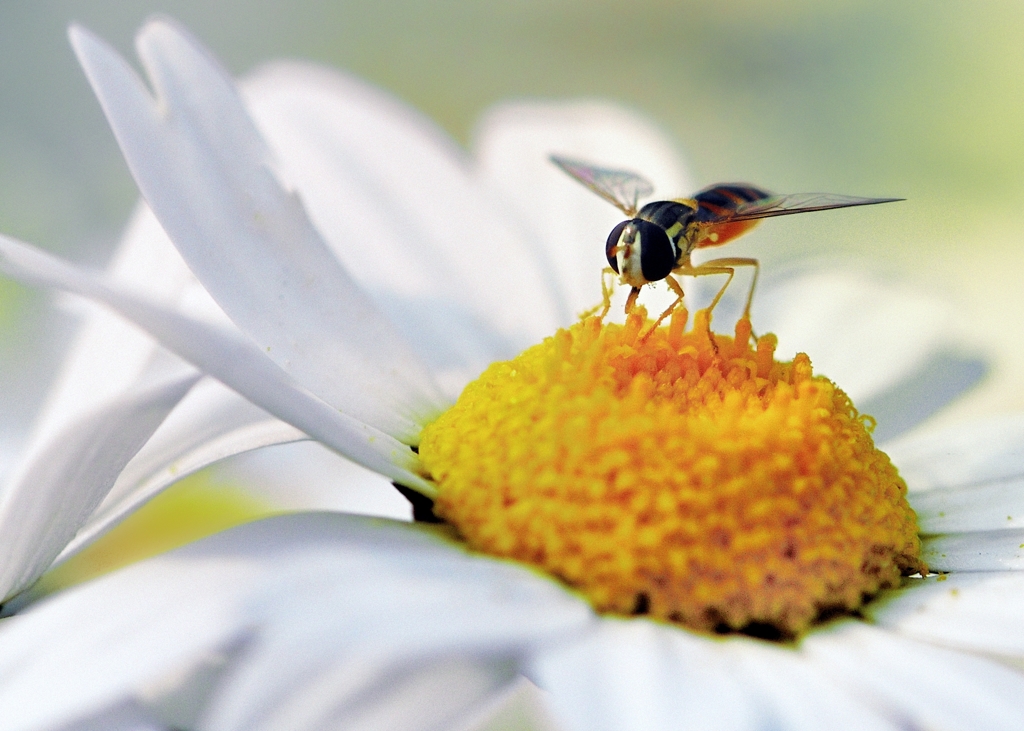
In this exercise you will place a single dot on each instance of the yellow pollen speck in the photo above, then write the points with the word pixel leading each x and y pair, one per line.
pixel 665 473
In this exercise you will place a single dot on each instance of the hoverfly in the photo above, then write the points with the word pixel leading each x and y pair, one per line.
pixel 656 241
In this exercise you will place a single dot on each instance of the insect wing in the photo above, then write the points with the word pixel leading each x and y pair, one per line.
pixel 622 188
pixel 784 205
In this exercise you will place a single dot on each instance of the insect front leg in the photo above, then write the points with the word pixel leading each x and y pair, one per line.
pixel 631 300
pixel 607 289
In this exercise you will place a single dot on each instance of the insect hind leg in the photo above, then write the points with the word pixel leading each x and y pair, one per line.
pixel 674 285
pixel 725 266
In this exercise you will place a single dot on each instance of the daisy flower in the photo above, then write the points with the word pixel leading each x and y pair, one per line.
pixel 682 484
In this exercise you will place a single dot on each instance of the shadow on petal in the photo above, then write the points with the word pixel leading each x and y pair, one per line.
pixel 942 378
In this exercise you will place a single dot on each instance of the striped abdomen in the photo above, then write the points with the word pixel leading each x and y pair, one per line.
pixel 715 205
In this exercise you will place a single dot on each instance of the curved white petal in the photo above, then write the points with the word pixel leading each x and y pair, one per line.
pixel 989 506
pixel 967 453
pixel 364 694
pixel 399 204
pixel 113 651
pixel 992 550
pixel 861 331
pixel 980 612
pixel 109 355
pixel 63 480
pixel 228 357
pixel 323 597
pixel 308 476
pixel 800 697
pixel 210 424
pixel 127 716
pixel 512 144
pixel 208 176
pixel 864 331
pixel 521 706
pixel 634 674
pixel 918 685
pixel 400 620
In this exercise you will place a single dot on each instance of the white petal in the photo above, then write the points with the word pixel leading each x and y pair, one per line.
pixel 397 201
pixel 127 716
pixel 108 354
pixel 210 424
pixel 231 359
pixel 968 453
pixel 320 596
pixel 981 612
pixel 990 506
pixel 994 550
pixel 386 620
pixel 918 685
pixel 634 674
pixel 513 142
pixel 207 175
pixel 522 706
pixel 97 644
pixel 363 695
pixel 63 480
pixel 800 697
pixel 861 330
pixel 308 476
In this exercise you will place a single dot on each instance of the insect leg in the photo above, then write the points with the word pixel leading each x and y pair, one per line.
pixel 631 300
pixel 607 290
pixel 738 262
pixel 725 266
pixel 673 284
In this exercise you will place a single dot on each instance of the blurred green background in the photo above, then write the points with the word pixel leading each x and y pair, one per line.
pixel 919 99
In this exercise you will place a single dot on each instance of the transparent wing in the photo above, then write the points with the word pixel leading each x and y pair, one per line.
pixel 622 188
pixel 784 205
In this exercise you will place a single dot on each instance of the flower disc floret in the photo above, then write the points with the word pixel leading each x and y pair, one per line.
pixel 674 473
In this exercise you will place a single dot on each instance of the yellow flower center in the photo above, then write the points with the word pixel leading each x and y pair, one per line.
pixel 677 474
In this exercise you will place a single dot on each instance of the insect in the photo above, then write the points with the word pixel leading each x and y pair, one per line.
pixel 656 240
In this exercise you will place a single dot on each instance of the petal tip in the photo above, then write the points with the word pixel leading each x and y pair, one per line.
pixel 83 41
pixel 162 26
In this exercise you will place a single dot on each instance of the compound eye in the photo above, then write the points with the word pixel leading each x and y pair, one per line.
pixel 657 253
pixel 610 249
